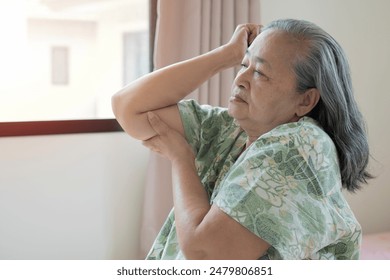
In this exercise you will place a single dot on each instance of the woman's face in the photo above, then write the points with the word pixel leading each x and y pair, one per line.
pixel 264 91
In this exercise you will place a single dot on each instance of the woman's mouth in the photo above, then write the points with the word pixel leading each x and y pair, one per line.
pixel 237 98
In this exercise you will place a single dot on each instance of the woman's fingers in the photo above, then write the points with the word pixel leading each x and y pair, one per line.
pixel 242 38
pixel 152 144
pixel 251 30
pixel 254 30
pixel 167 141
pixel 157 124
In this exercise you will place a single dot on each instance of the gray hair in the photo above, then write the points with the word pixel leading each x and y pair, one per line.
pixel 323 65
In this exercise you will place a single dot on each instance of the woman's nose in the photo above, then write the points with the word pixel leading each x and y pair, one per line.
pixel 242 78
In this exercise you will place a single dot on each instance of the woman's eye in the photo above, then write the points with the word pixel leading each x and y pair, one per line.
pixel 256 72
pixel 259 73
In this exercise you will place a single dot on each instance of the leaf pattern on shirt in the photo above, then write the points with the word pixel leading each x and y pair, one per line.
pixel 285 187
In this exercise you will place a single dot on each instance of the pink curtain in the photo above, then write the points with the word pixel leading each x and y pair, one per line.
pixel 186 29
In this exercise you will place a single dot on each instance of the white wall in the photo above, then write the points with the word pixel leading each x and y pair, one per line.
pixel 362 28
pixel 71 196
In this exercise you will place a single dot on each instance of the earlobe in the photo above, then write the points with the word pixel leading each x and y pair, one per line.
pixel 309 100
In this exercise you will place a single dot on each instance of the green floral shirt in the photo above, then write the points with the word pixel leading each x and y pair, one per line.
pixel 285 187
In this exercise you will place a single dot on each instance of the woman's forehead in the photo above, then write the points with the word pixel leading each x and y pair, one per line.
pixel 274 45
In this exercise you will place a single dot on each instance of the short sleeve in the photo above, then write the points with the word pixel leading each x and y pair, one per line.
pixel 279 190
pixel 203 124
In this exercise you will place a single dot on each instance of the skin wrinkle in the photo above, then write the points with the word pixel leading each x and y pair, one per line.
pixel 272 101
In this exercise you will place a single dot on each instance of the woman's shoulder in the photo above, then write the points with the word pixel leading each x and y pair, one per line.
pixel 304 141
pixel 303 132
pixel 206 118
pixel 207 127
pixel 201 112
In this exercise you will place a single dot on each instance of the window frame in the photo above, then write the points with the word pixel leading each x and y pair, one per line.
pixel 31 128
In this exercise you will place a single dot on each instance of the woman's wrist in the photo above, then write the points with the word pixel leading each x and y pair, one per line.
pixel 231 55
pixel 184 162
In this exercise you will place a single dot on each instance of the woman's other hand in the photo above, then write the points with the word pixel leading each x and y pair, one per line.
pixel 168 142
pixel 241 39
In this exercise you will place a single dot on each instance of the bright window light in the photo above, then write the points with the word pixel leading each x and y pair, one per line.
pixel 63 60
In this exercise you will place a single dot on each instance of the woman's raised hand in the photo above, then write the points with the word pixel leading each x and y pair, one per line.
pixel 241 39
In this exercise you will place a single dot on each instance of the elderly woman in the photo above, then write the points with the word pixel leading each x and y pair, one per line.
pixel 264 177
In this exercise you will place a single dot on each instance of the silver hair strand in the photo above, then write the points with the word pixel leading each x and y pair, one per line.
pixel 323 65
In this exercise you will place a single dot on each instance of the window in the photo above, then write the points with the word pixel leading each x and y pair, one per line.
pixel 59 65
pixel 65 59
pixel 136 60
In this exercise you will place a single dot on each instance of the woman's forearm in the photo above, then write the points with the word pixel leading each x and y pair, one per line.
pixel 167 86
pixel 170 84
pixel 191 205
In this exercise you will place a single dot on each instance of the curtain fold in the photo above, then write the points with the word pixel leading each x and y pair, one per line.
pixel 186 29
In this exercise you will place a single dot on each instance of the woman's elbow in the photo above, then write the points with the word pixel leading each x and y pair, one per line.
pixel 126 117
pixel 117 108
pixel 192 252
pixel 196 248
pixel 115 104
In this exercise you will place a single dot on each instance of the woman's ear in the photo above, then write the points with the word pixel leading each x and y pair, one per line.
pixel 308 100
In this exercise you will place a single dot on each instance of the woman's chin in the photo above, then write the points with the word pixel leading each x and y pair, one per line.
pixel 234 112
